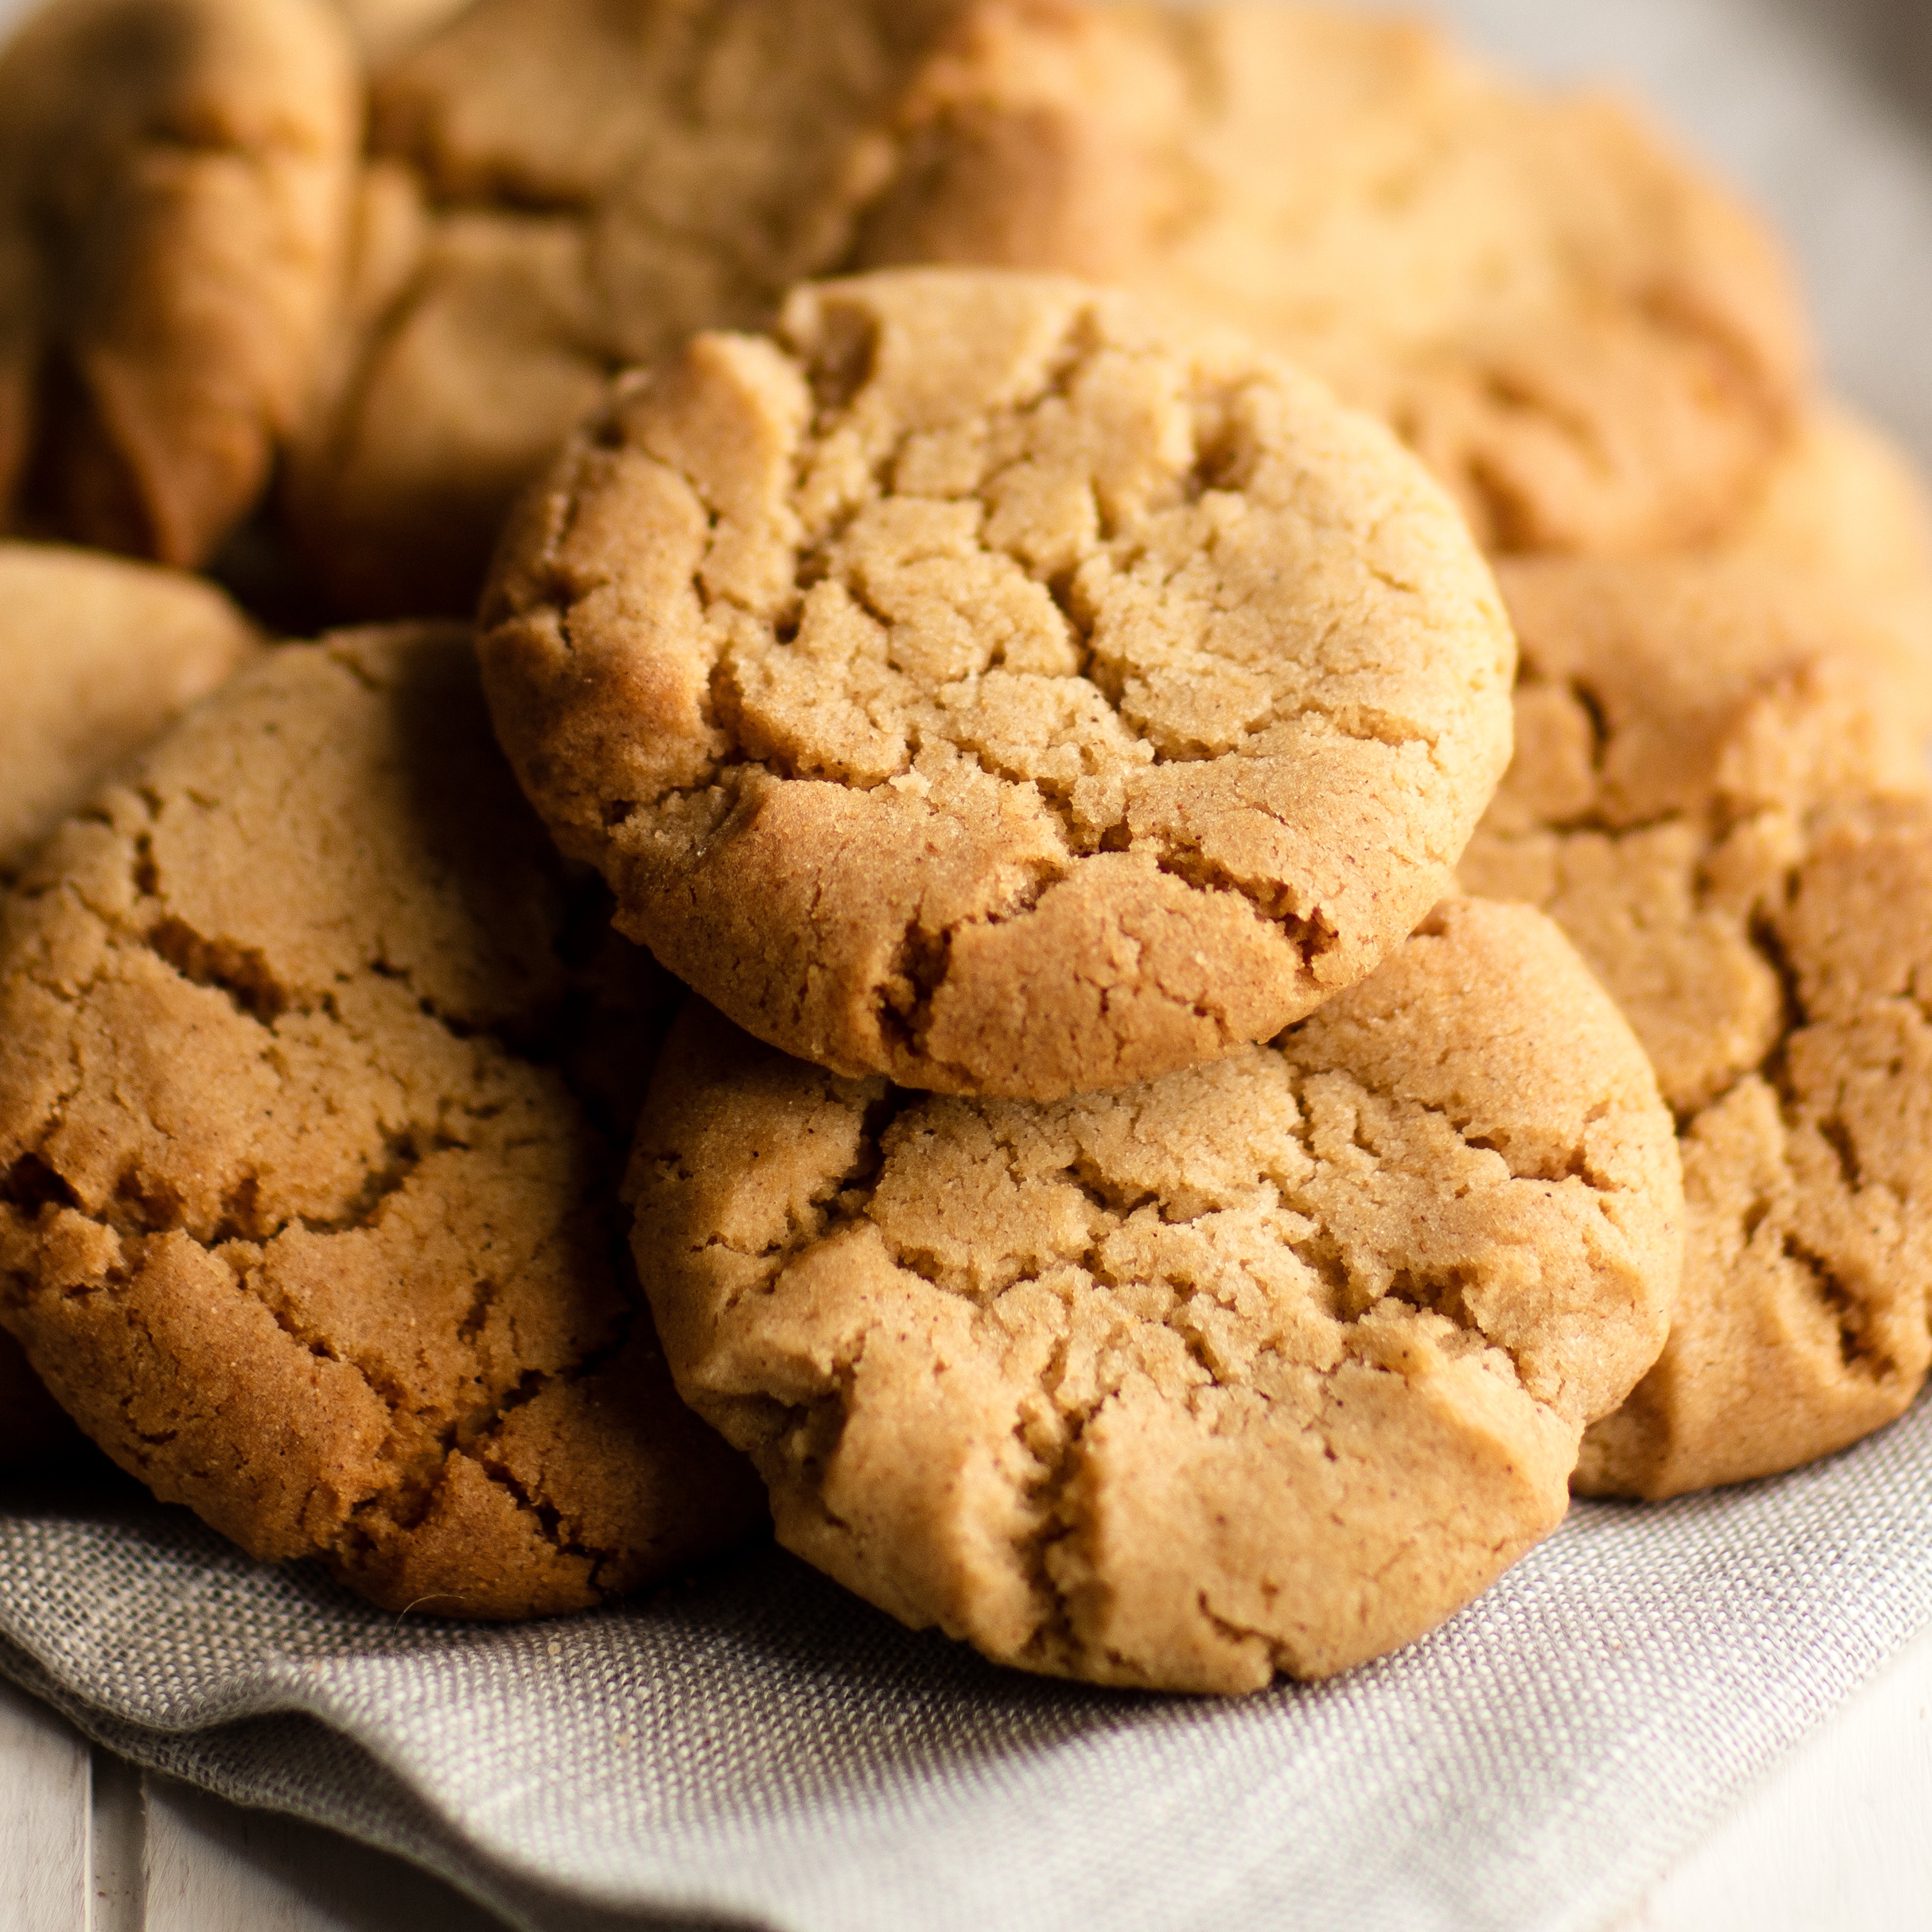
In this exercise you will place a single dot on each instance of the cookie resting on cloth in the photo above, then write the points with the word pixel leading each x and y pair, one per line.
pixel 979 683
pixel 310 1216
pixel 175 186
pixel 1268 1365
pixel 1595 348
pixel 1727 813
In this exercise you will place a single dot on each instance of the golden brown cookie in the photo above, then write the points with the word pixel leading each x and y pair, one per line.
pixel 1590 343
pixel 174 184
pixel 310 1216
pixel 383 29
pixel 1846 505
pixel 1270 1365
pixel 559 188
pixel 97 657
pixel 1842 500
pixel 978 684
pixel 1721 803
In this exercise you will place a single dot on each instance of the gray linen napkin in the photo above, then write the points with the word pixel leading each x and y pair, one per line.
pixel 759 1747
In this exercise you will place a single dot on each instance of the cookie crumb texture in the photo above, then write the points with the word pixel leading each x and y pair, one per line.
pixel 977 684
pixel 1270 1365
pixel 1717 794
pixel 303 1221
pixel 175 182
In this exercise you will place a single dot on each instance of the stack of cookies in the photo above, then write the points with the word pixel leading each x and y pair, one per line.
pixel 1182 854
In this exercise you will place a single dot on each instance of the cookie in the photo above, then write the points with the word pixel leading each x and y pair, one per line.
pixel 174 185
pixel 311 1217
pixel 1593 346
pixel 97 657
pixel 1270 1365
pixel 1725 811
pixel 382 28
pixel 559 188
pixel 1842 500
pixel 1596 349
pixel 1846 506
pixel 977 684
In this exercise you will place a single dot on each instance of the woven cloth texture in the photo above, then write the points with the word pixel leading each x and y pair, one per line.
pixel 759 1748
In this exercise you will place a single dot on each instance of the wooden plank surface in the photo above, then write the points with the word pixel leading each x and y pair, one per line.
pixel 1838 1839
pixel 44 1819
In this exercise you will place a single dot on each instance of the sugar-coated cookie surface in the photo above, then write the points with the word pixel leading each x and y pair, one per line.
pixel 977 684
pixel 1589 342
pixel 96 656
pixel 175 178
pixel 1716 795
pixel 1269 1365
pixel 307 1134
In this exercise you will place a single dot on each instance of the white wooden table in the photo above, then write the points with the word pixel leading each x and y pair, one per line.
pixel 1838 1839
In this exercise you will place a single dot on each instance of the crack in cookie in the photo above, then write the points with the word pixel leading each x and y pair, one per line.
pixel 1310 1333
pixel 979 684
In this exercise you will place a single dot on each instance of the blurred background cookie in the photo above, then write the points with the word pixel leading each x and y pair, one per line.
pixel 1717 794
pixel 1591 343
pixel 1593 346
pixel 982 683
pixel 174 184
pixel 97 657
pixel 558 188
pixel 308 1222
pixel 1269 1365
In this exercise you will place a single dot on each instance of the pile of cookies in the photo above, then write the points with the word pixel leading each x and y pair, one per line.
pixel 1130 806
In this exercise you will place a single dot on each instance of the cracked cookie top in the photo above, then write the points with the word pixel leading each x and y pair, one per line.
pixel 314 1066
pixel 1269 1365
pixel 97 657
pixel 1718 796
pixel 977 683
pixel 175 178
